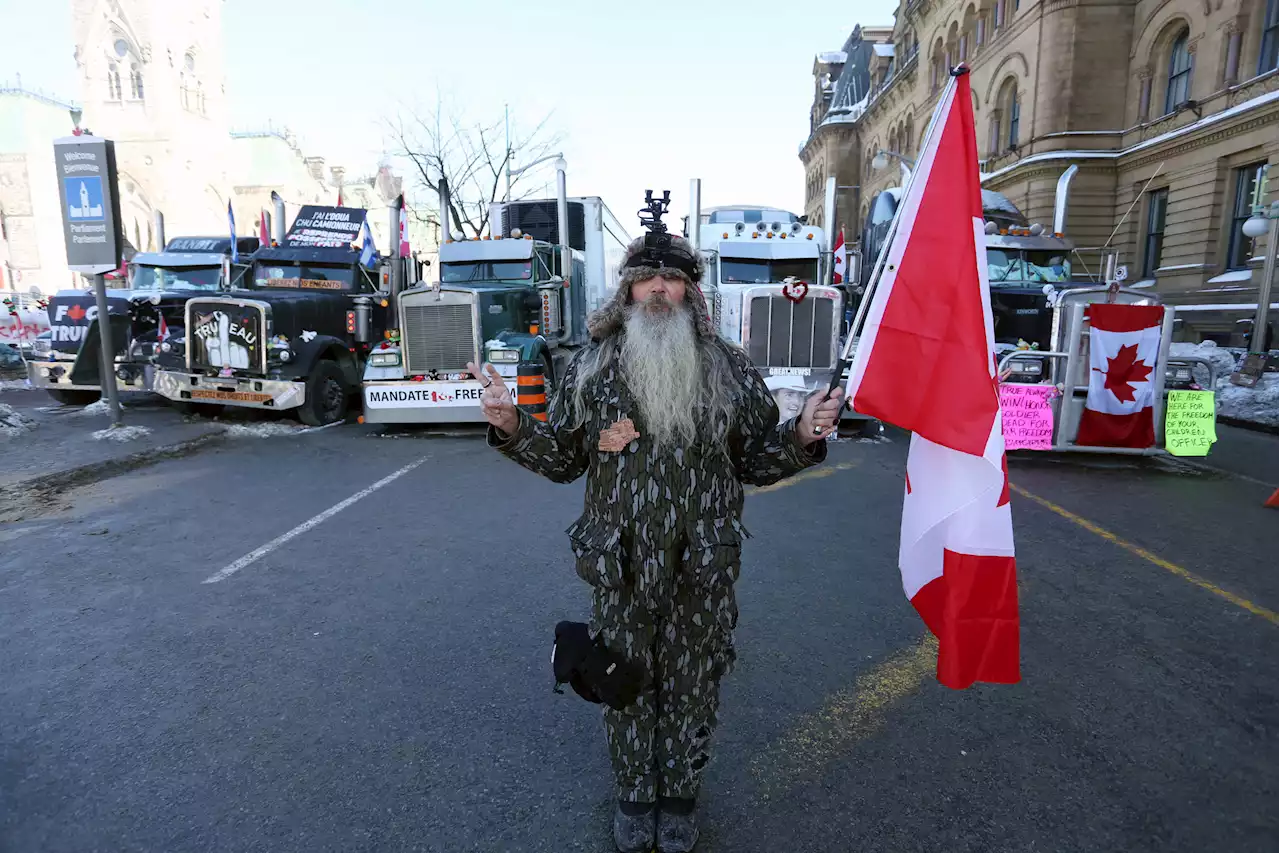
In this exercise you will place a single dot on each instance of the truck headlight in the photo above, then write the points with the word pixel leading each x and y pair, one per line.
pixel 504 356
pixel 385 359
pixel 42 347
pixel 1177 375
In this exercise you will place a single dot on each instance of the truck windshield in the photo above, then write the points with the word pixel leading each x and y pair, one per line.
pixel 184 278
pixel 485 271
pixel 758 271
pixel 303 277
pixel 1008 266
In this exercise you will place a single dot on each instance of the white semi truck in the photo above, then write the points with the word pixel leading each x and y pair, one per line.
pixel 769 286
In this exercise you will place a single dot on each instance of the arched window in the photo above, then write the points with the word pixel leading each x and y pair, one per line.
pixel 1014 111
pixel 910 137
pixel 113 82
pixel 1179 88
pixel 135 82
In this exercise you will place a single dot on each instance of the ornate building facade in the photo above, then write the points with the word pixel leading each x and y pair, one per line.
pixel 1168 108
pixel 151 78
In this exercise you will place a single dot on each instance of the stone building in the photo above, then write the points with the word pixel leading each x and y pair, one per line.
pixel 151 78
pixel 841 80
pixel 1168 108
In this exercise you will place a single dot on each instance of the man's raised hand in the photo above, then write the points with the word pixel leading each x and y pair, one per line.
pixel 495 403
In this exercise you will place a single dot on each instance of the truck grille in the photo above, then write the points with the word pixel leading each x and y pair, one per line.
pixel 226 333
pixel 438 336
pixel 784 334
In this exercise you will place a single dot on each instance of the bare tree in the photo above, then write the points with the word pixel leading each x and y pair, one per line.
pixel 472 157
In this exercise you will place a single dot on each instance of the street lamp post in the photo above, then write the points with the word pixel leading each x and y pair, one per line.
pixel 1265 220
pixel 881 160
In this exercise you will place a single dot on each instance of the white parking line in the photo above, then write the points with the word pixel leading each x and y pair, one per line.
pixel 253 556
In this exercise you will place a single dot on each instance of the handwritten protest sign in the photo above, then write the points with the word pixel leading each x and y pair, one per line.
pixel 1028 420
pixel 1189 423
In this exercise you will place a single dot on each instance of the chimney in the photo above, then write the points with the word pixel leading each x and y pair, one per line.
pixel 315 165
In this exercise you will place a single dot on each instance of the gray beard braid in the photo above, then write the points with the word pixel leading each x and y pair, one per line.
pixel 661 365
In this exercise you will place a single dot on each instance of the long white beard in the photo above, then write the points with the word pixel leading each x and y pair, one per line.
pixel 660 363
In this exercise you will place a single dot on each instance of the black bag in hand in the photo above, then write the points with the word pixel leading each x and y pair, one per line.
pixel 593 671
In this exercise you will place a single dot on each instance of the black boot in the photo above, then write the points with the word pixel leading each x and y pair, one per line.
pixel 677 826
pixel 633 827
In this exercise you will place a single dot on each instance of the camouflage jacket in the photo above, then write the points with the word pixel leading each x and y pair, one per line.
pixel 640 501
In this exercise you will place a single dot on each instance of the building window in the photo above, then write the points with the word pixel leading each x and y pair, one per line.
pixel 1157 206
pixel 1239 246
pixel 1267 55
pixel 135 83
pixel 1179 89
pixel 1015 114
pixel 114 90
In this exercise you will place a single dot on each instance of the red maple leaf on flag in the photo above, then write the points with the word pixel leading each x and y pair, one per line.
pixel 75 312
pixel 1123 370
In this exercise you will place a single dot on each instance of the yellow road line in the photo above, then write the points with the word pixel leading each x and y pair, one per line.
pixel 846 717
pixel 1172 568
pixel 811 474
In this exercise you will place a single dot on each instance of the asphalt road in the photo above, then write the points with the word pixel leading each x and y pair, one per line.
pixel 380 679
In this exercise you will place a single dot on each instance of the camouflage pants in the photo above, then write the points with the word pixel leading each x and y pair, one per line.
pixel 659 745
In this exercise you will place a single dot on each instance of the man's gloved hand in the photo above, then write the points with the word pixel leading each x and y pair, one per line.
pixel 496 404
pixel 819 416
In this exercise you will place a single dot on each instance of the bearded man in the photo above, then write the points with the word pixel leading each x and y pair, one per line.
pixel 668 421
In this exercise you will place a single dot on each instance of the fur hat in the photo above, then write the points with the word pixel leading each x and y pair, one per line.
pixel 612 316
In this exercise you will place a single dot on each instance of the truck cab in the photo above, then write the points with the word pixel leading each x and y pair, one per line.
pixel 294 332
pixel 517 300
pixel 1027 265
pixel 766 286
pixel 158 285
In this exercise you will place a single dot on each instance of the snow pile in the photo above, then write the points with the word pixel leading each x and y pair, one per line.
pixel 266 429
pixel 1256 405
pixel 14 385
pixel 13 423
pixel 1222 359
pixel 120 434
pixel 97 408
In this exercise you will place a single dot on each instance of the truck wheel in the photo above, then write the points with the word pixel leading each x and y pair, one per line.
pixel 75 398
pixel 326 395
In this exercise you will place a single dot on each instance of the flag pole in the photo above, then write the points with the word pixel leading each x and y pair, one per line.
pixel 846 357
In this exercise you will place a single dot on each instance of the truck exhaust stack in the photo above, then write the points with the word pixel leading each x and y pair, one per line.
pixel 1060 199
pixel 445 234
pixel 828 224
pixel 159 225
pixel 279 223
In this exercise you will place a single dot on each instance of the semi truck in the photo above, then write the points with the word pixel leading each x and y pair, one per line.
pixel 158 285
pixel 519 296
pixel 769 287
pixel 296 330
pixel 1028 264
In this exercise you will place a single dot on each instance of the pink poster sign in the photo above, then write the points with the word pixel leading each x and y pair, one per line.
pixel 1028 419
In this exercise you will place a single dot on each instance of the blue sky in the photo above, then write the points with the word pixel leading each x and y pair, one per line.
pixel 644 98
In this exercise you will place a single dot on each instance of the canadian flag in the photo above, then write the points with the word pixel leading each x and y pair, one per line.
pixel 162 333
pixel 839 259
pixel 925 363
pixel 404 228
pixel 1124 341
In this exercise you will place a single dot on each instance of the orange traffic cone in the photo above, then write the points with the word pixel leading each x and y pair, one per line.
pixel 1271 501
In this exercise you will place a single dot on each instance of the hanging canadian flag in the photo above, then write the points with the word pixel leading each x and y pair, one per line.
pixel 839 259
pixel 404 228
pixel 1124 342
pixel 925 362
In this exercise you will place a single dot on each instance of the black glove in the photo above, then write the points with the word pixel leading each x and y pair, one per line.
pixel 593 671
